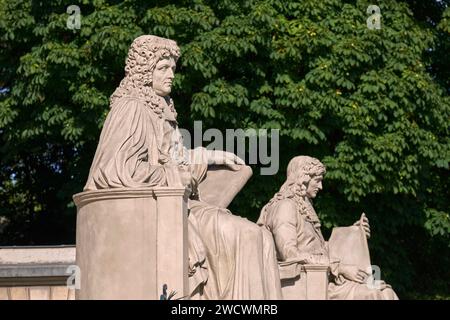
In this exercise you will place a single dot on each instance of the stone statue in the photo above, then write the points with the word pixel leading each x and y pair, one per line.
pixel 295 227
pixel 141 146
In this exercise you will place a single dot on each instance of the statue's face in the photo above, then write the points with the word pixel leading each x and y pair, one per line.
pixel 163 76
pixel 314 185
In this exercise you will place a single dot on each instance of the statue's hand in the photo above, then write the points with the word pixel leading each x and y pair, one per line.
pixel 364 222
pixel 353 273
pixel 223 157
pixel 185 175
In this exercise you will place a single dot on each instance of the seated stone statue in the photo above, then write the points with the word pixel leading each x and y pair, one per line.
pixel 141 146
pixel 295 227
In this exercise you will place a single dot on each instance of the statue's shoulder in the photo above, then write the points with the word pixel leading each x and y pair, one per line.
pixel 135 99
pixel 125 96
pixel 286 204
pixel 284 210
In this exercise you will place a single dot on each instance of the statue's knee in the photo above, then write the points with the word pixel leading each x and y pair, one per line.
pixel 389 294
pixel 267 236
pixel 251 231
pixel 232 226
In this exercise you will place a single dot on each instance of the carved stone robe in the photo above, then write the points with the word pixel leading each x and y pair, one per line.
pixel 232 257
pixel 296 230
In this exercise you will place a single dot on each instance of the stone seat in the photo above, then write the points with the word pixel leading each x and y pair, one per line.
pixel 303 281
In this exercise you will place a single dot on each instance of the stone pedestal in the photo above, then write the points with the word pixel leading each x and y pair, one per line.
pixel 172 253
pixel 131 241
pixel 316 282
pixel 304 282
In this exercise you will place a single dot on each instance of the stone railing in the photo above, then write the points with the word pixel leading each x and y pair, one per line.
pixel 36 273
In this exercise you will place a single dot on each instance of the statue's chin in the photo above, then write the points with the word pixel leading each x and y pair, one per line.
pixel 162 93
pixel 311 195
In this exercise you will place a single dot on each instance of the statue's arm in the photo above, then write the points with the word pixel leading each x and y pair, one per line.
pixel 284 230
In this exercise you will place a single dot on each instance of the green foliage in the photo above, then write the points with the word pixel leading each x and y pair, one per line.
pixel 372 104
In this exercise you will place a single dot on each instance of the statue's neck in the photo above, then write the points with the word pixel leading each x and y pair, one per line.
pixel 305 207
